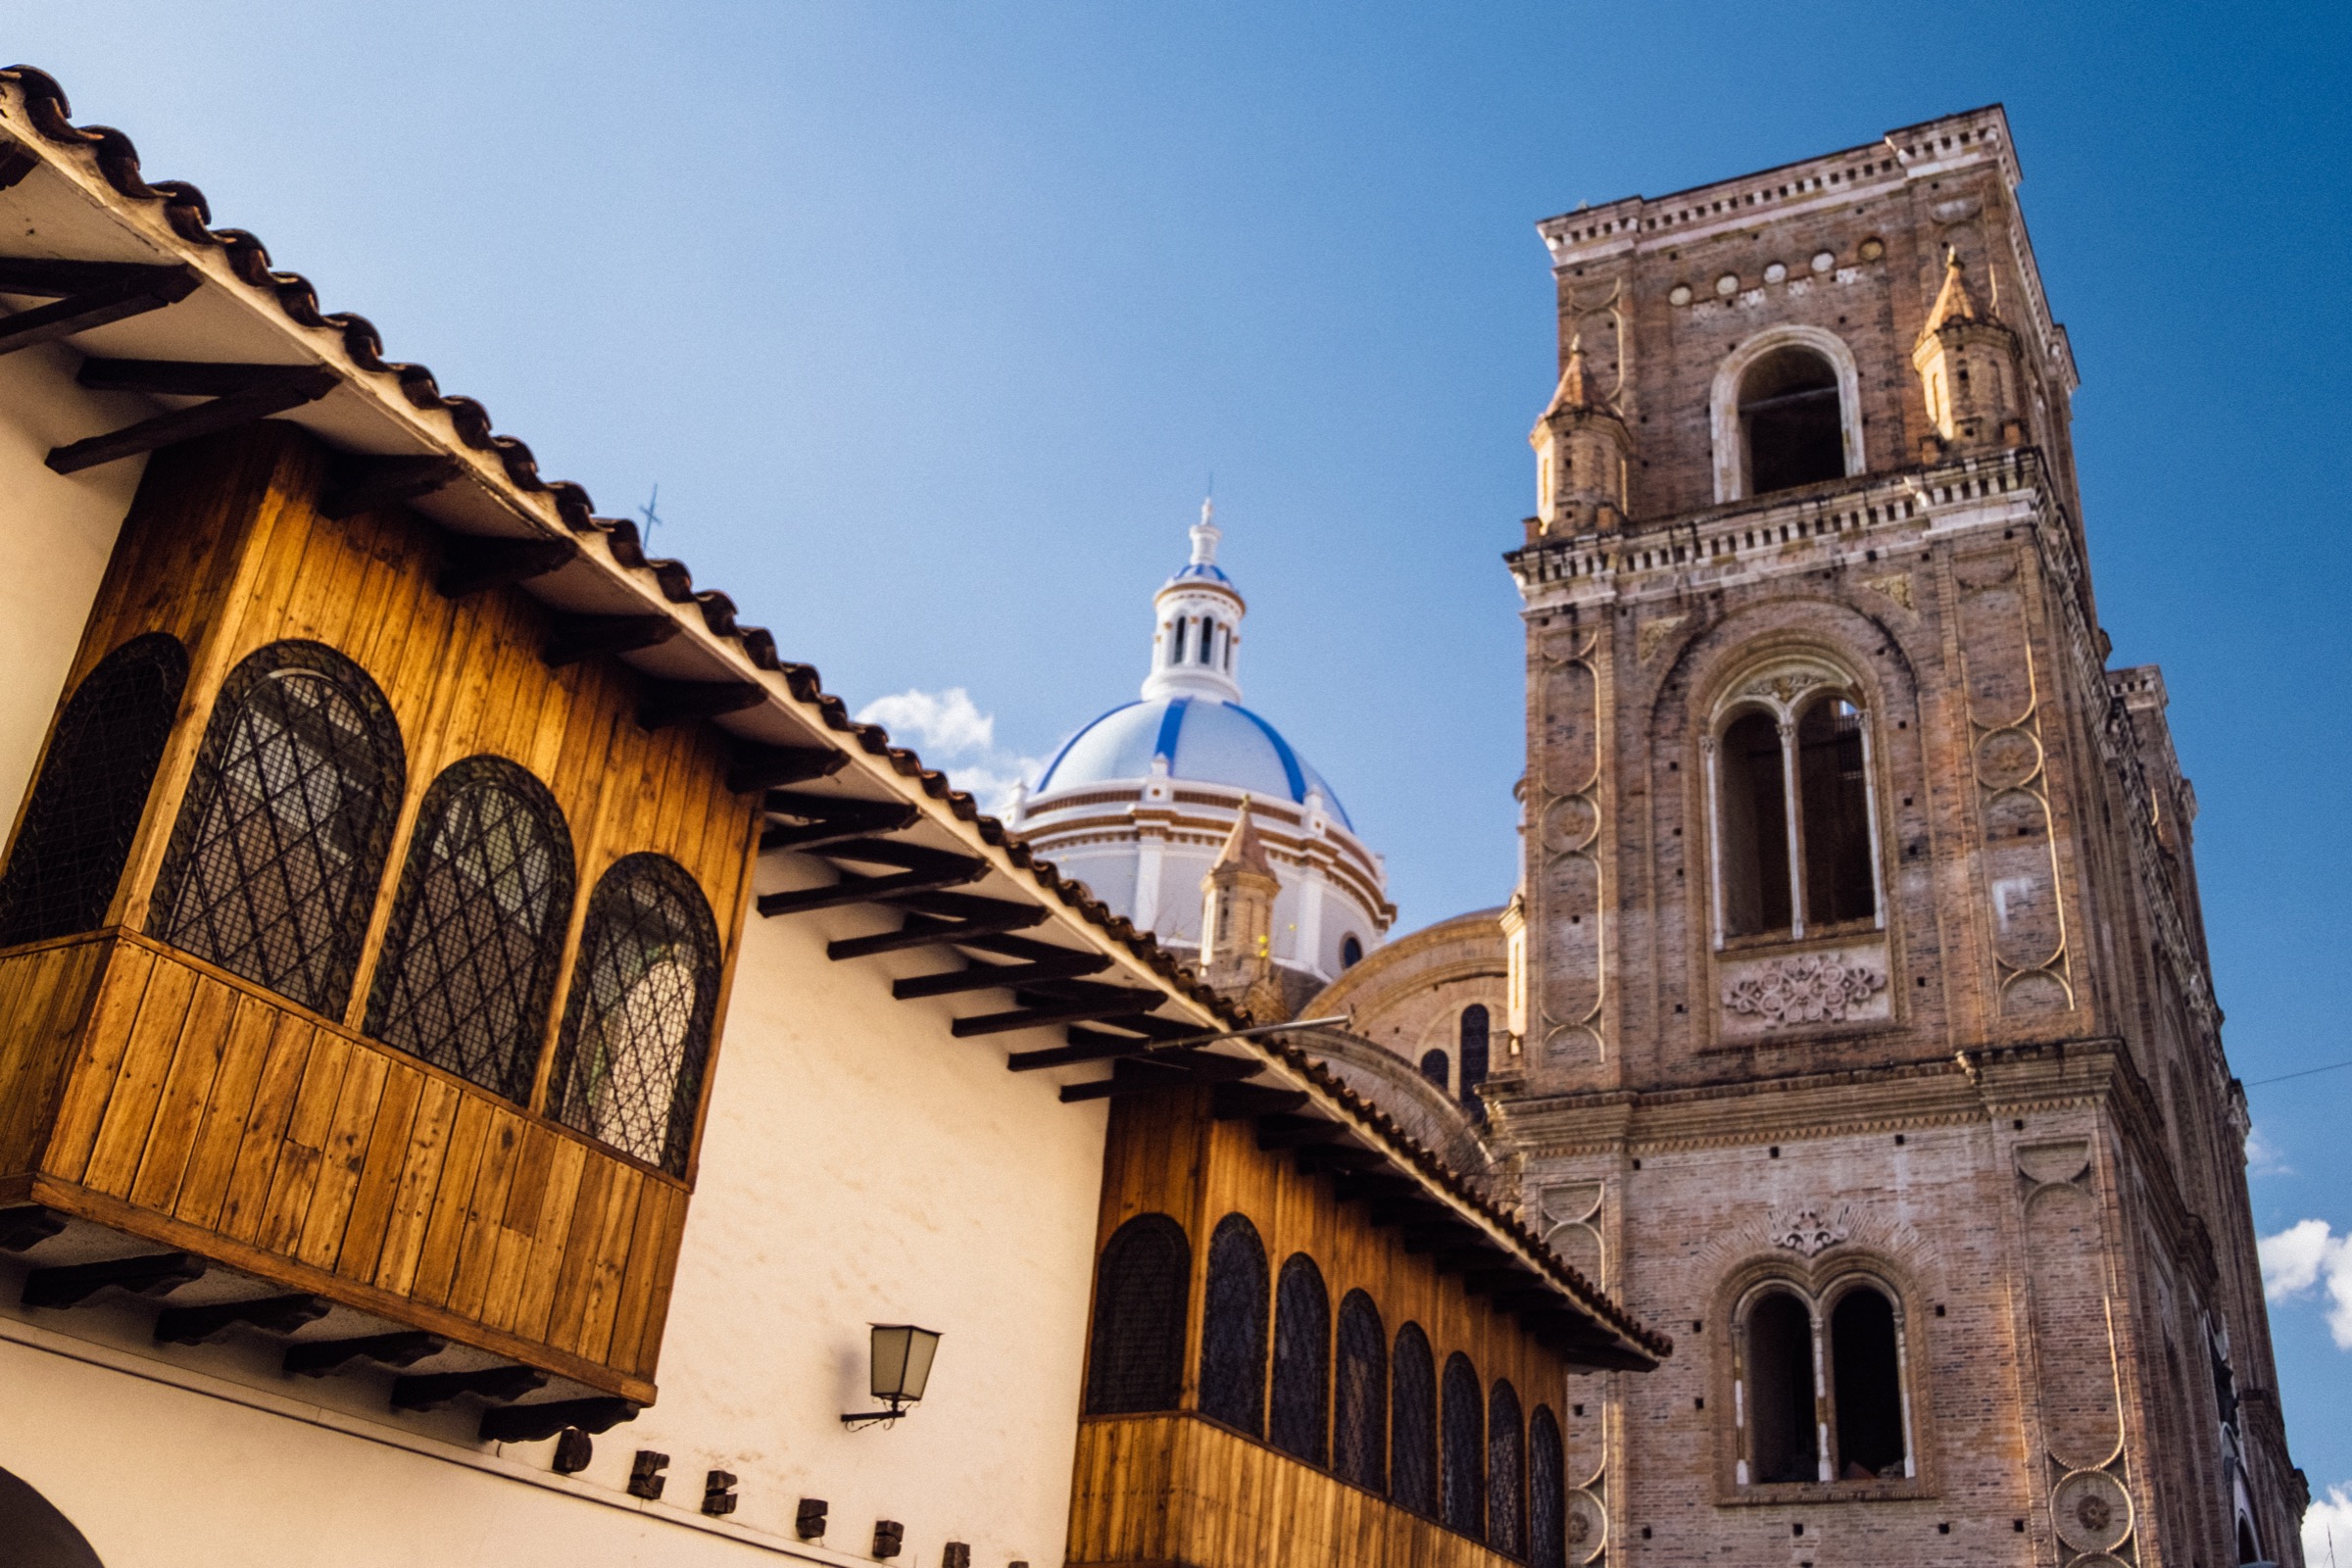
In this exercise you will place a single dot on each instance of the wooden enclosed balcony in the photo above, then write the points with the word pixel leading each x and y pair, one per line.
pixel 172 1102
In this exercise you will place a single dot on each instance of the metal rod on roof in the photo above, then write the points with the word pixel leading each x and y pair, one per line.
pixel 1243 1034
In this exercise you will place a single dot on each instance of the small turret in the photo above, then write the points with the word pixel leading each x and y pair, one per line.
pixel 1199 632
pixel 1236 923
pixel 1967 370
pixel 1583 450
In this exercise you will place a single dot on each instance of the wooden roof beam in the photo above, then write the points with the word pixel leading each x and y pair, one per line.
pixel 1339 1157
pixel 929 931
pixel 315 1359
pixel 241 395
pixel 538 1422
pixel 762 767
pixel 1292 1131
pixel 150 1274
pixel 276 1314
pixel 579 637
pixel 500 1385
pixel 1239 1101
pixel 1069 964
pixel 683 702
pixel 947 872
pixel 829 818
pixel 87 294
pixel 473 564
pixel 363 482
pixel 1115 1002
pixel 1176 1070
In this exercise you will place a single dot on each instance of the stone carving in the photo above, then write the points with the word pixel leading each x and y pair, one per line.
pixel 1655 632
pixel 1816 987
pixel 1806 1231
pixel 2093 1511
pixel 1897 587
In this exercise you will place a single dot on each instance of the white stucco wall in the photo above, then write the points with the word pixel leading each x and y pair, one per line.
pixel 860 1165
pixel 59 530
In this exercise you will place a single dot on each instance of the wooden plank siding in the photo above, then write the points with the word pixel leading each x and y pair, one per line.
pixel 1182 1489
pixel 222 1122
pixel 201 1110
pixel 1179 1488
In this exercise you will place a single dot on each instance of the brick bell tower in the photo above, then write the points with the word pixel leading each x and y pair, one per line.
pixel 1861 1025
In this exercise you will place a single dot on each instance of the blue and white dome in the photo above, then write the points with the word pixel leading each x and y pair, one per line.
pixel 1202 739
pixel 1139 800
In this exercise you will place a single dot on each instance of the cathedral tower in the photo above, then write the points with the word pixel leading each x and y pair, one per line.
pixel 1860 1020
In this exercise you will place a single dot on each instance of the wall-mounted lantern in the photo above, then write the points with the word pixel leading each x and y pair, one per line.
pixel 901 1358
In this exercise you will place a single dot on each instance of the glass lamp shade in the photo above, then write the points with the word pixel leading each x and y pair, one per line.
pixel 902 1361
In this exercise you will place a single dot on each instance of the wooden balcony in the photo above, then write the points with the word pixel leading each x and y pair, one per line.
pixel 181 1106
pixel 1177 1489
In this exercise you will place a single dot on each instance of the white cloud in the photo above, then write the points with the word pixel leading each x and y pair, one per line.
pixel 945 723
pixel 2304 1255
pixel 2264 1157
pixel 2327 1529
pixel 952 733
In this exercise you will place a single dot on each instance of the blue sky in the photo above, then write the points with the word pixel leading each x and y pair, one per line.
pixel 931 322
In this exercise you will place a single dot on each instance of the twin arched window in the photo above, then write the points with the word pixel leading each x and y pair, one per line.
pixel 279 847
pixel 1861 1431
pixel 470 959
pixel 93 786
pixel 1796 851
pixel 277 859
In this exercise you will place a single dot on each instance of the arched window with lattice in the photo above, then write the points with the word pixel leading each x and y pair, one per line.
pixel 93 785
pixel 1506 1473
pixel 1300 1422
pixel 1474 1031
pixel 469 964
pixel 1413 1423
pixel 1360 1401
pixel 1547 1491
pixel 1233 1327
pixel 279 847
pixel 628 1068
pixel 1135 1354
pixel 1464 1417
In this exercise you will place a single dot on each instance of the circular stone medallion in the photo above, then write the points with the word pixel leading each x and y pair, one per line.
pixel 2094 1512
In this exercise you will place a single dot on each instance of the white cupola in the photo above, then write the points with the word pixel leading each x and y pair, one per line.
pixel 1195 642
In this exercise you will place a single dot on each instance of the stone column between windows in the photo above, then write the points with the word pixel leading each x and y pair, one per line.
pixel 1789 808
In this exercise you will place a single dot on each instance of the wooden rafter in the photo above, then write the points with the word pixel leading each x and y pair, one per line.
pixel 1056 964
pixel 820 819
pixel 999 916
pixel 241 394
pixel 276 1314
pixel 473 563
pixel 1079 1002
pixel 924 871
pixel 682 702
pixel 761 768
pixel 362 482
pixel 86 295
pixel 579 637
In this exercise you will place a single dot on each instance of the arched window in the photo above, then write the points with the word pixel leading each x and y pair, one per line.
pixel 1791 421
pixel 1835 815
pixel 1546 1493
pixel 1351 952
pixel 1360 1451
pixel 1506 1473
pixel 1438 1068
pixel 1779 1397
pixel 86 806
pixel 1474 1058
pixel 1413 1424
pixel 37 1534
pixel 468 963
pixel 279 846
pixel 1301 1362
pixel 1798 850
pixel 628 1065
pixel 1755 828
pixel 1866 1371
pixel 2247 1549
pixel 1233 1328
pixel 1135 1358
pixel 1465 1423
